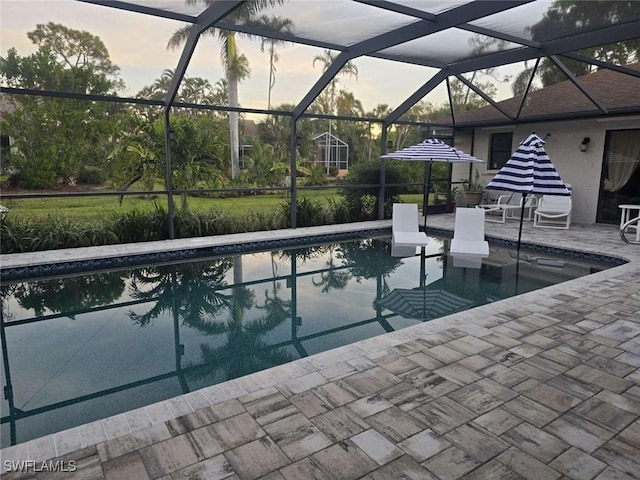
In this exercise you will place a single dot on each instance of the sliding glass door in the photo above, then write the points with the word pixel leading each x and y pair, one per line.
pixel 620 183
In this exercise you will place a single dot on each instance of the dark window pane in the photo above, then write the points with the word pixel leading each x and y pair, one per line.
pixel 500 149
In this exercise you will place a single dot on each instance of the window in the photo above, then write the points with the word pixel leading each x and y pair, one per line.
pixel 500 149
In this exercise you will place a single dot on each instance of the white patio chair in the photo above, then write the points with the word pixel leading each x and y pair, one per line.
pixel 404 226
pixel 553 211
pixel 509 206
pixel 468 233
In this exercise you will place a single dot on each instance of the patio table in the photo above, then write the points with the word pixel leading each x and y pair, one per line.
pixel 626 215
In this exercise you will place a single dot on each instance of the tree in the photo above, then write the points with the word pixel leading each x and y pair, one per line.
pixel 236 65
pixel 409 134
pixel 276 24
pixel 276 130
pixel 56 137
pixel 580 15
pixel 196 152
pixel 195 90
pixel 158 89
pixel 380 111
pixel 464 99
pixel 327 100
pixel 260 163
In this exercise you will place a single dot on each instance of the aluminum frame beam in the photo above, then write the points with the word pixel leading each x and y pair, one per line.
pixel 572 78
pixel 484 96
pixel 133 7
pixel 421 28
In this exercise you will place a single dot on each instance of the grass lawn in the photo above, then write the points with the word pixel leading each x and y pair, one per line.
pixel 96 208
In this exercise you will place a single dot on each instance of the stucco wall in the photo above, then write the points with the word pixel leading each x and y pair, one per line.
pixel 581 169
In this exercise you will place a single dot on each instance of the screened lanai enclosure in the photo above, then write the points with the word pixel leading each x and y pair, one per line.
pixel 125 118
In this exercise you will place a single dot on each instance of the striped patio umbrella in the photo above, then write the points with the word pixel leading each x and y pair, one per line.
pixel 529 171
pixel 429 151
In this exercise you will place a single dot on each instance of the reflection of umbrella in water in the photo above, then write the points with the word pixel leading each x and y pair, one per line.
pixel 429 151
pixel 423 303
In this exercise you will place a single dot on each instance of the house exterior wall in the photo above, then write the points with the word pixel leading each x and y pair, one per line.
pixel 582 170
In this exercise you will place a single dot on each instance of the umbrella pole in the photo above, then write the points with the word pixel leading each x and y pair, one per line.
pixel 524 201
pixel 423 280
pixel 427 184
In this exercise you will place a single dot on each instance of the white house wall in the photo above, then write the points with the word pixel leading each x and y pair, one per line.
pixel 580 169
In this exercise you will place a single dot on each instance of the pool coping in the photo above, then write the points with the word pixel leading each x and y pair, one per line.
pixel 22 266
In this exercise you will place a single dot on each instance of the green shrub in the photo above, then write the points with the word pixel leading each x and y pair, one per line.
pixel 92 176
pixel 141 226
pixel 317 176
pixel 261 221
pixel 339 210
pixel 50 233
pixel 53 232
pixel 309 213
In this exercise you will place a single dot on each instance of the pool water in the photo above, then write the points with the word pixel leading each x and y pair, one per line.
pixel 83 347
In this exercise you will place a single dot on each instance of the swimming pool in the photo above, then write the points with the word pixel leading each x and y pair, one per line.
pixel 80 347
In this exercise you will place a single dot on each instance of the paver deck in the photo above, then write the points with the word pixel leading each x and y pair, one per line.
pixel 545 385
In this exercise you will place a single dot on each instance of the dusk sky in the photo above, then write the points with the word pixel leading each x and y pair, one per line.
pixel 138 45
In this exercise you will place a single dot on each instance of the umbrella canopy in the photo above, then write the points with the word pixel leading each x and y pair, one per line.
pixel 529 171
pixel 422 303
pixel 431 150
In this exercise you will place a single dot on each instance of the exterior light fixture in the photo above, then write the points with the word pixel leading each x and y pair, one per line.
pixel 585 144
pixel 389 144
pixel 172 134
pixel 298 140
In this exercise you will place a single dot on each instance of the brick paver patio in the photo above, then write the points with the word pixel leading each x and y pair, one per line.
pixel 545 385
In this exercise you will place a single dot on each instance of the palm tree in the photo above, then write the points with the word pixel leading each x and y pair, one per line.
pixel 198 152
pixel 348 105
pixel 158 89
pixel 381 111
pixel 326 59
pixel 236 65
pixel 276 24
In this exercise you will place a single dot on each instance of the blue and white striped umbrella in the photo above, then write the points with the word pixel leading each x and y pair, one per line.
pixel 429 151
pixel 432 150
pixel 529 171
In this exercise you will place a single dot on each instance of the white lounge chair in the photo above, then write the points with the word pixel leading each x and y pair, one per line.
pixel 468 233
pixel 509 206
pixel 405 226
pixel 554 211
